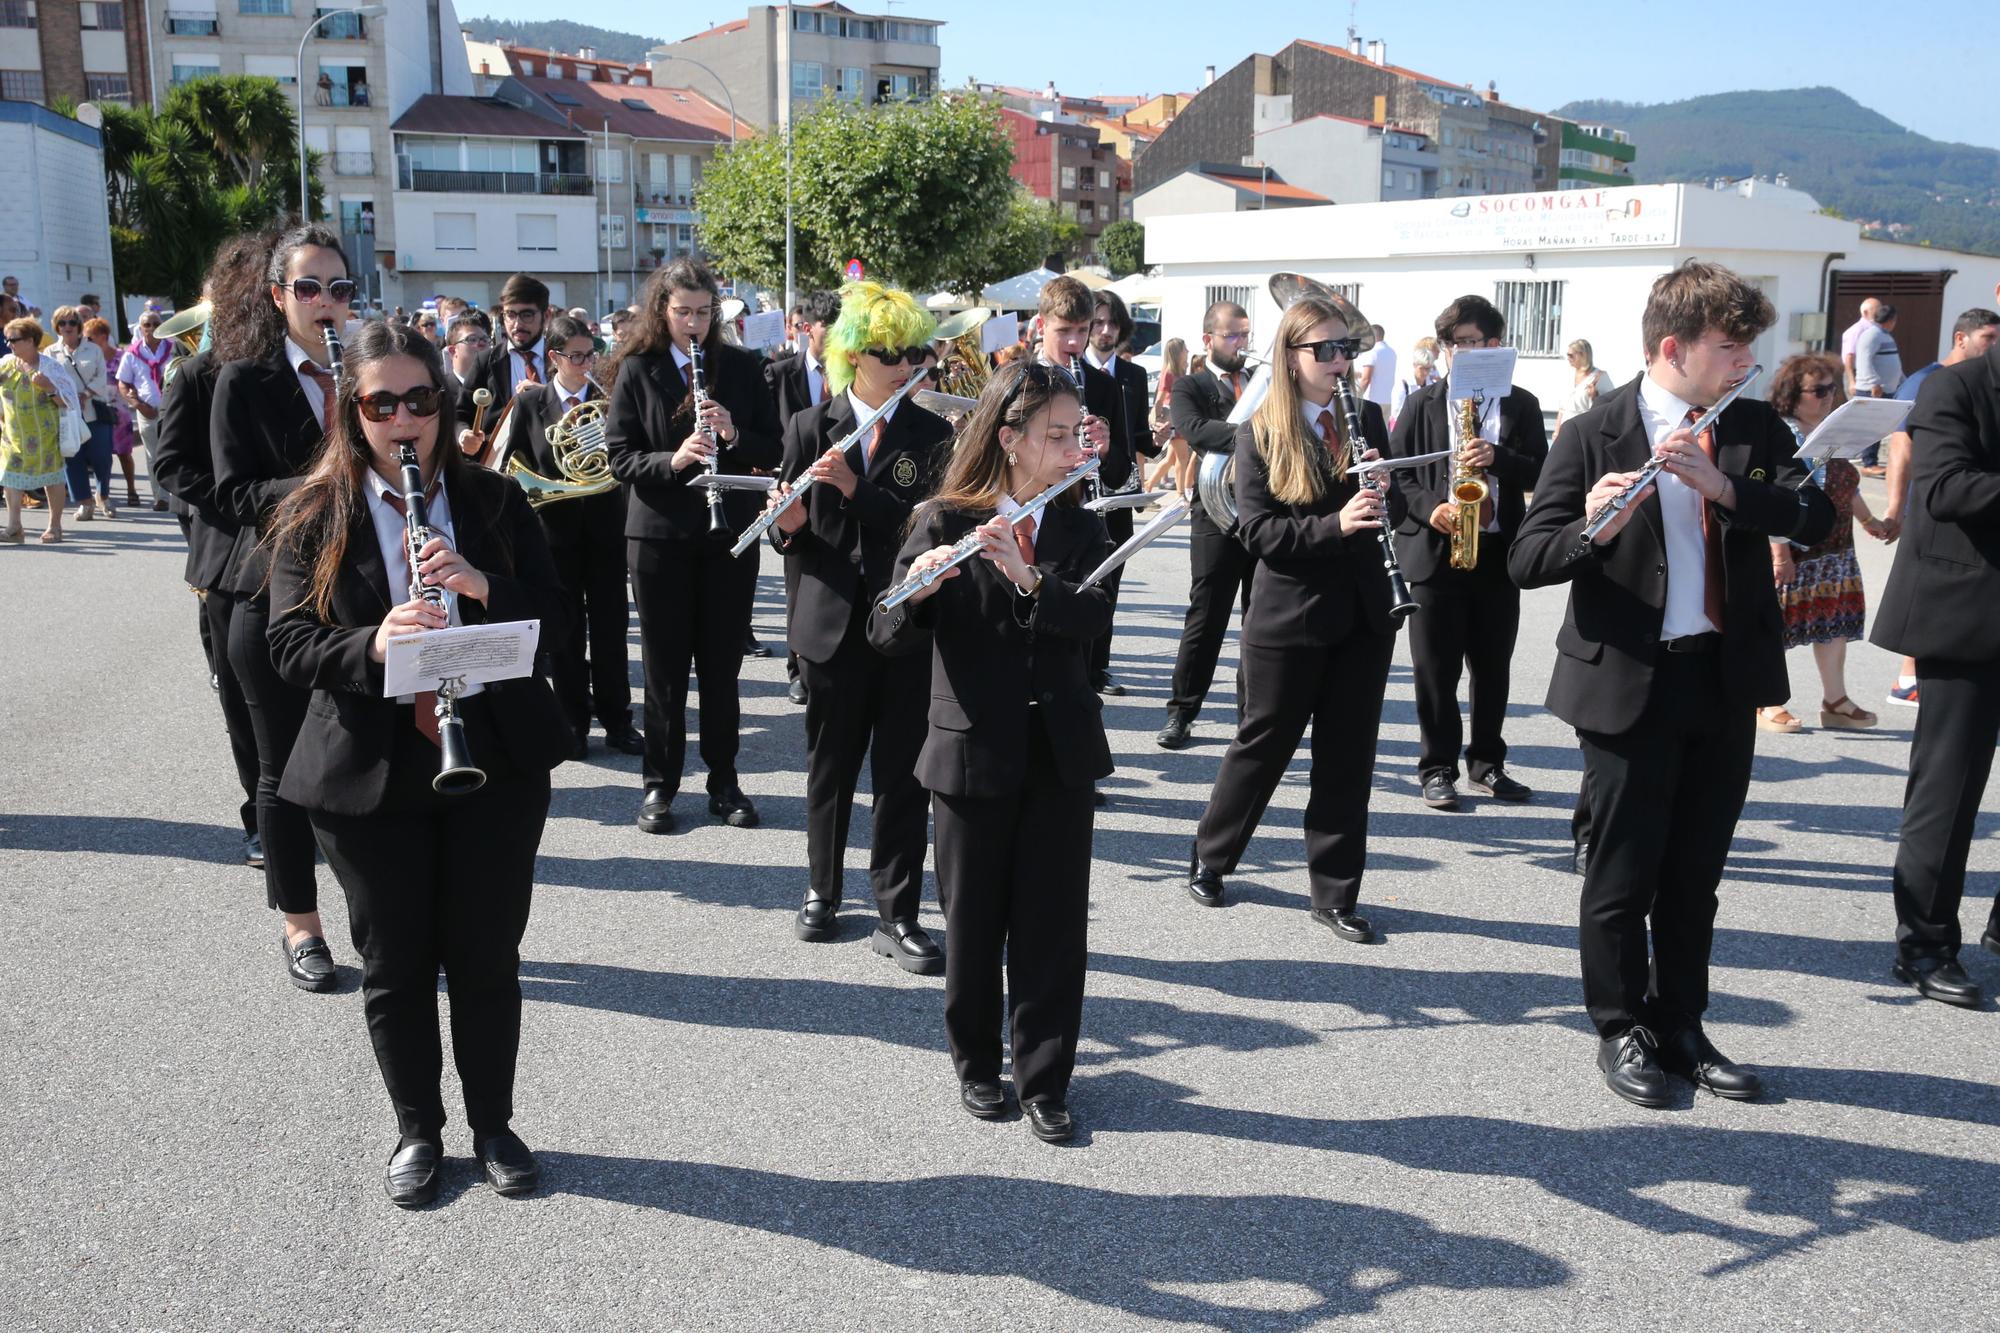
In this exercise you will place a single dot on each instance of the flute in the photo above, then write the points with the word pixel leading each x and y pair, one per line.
pixel 1618 503
pixel 968 546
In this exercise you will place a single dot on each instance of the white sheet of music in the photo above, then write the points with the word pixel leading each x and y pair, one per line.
pixel 1481 372
pixel 475 654
pixel 1850 428
pixel 1385 464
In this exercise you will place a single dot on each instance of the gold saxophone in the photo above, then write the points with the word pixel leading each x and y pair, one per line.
pixel 1468 490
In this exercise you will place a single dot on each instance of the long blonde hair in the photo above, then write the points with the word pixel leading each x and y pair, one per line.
pixel 1301 466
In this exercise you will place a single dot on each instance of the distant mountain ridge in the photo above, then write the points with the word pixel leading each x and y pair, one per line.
pixel 562 35
pixel 1853 160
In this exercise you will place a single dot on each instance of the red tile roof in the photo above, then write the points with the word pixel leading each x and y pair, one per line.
pixel 1346 54
pixel 1269 189
pixel 732 26
pixel 671 113
pixel 437 113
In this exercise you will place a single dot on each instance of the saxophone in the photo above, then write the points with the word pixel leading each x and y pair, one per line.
pixel 1468 491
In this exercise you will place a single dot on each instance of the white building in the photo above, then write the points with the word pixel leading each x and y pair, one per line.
pixel 55 221
pixel 1565 265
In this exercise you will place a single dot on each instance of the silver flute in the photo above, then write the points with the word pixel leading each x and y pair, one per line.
pixel 698 383
pixel 755 532
pixel 1622 501
pixel 968 546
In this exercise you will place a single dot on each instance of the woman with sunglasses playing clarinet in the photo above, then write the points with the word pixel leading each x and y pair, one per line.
pixel 432 880
pixel 1015 739
pixel 1318 634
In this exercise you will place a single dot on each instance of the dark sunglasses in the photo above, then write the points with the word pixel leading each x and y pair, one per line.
pixel 423 401
pixel 913 355
pixel 68 324
pixel 1328 348
pixel 1820 390
pixel 309 289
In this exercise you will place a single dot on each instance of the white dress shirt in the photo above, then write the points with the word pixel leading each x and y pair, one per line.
pixel 389 538
pixel 1680 515
pixel 299 358
pixel 861 411
pixel 1007 508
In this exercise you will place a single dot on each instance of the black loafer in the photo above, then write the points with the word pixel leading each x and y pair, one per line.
pixel 907 943
pixel 309 963
pixel 983 1097
pixel 510 1168
pixel 1354 929
pixel 1501 787
pixel 412 1178
pixel 656 812
pixel 818 920
pixel 1631 1069
pixel 253 851
pixel 624 738
pixel 1172 736
pixel 1439 793
pixel 796 691
pixel 1103 684
pixel 733 808
pixel 1204 885
pixel 1940 979
pixel 752 648
pixel 1689 1054
pixel 1049 1119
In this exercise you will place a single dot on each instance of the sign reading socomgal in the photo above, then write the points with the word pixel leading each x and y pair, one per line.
pixel 1633 216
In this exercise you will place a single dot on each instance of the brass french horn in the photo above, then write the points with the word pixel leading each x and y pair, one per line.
pixel 582 460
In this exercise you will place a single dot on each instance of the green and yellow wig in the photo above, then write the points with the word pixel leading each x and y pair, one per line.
pixel 872 315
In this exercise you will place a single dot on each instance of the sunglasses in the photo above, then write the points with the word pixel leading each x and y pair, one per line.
pixel 68 324
pixel 1328 348
pixel 423 401
pixel 1820 390
pixel 309 289
pixel 913 355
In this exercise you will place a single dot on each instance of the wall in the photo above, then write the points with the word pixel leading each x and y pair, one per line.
pixel 1185 193
pixel 1336 158
pixel 55 227
pixel 494 236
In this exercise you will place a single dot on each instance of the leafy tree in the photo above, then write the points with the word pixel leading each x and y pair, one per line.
pixel 1123 246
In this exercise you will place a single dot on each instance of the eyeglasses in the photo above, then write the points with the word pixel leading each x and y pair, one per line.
pixel 423 401
pixel 576 358
pixel 1469 344
pixel 1820 390
pixel 473 340
pixel 1328 348
pixel 913 355
pixel 309 289
pixel 521 314
pixel 690 312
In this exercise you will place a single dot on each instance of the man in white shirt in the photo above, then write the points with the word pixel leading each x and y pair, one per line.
pixel 1375 371
pixel 1852 334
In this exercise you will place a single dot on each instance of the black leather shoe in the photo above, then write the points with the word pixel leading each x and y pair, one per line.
pixel 308 963
pixel 1501 787
pixel 1689 1054
pixel 907 943
pixel 1631 1068
pixel 624 738
pixel 1103 684
pixel 1354 929
pixel 1940 979
pixel 510 1168
pixel 796 691
pixel 1049 1119
pixel 253 851
pixel 818 920
pixel 1990 940
pixel 752 648
pixel 1580 857
pixel 733 808
pixel 1174 735
pixel 983 1097
pixel 1439 793
pixel 656 812
pixel 1204 885
pixel 412 1178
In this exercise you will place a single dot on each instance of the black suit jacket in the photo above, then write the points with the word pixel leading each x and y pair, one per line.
pixel 493 370
pixel 1429 423
pixel 341 761
pixel 1610 636
pixel 1199 406
pixel 1137 439
pixel 791 386
pixel 651 414
pixel 847 549
pixel 184 465
pixel 526 433
pixel 263 434
pixel 993 651
pixel 1314 587
pixel 1945 584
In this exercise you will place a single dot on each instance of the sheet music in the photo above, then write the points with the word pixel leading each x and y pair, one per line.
pixel 1850 428
pixel 1003 330
pixel 475 654
pixel 1481 372
pixel 1387 464
pixel 1139 540
pixel 766 328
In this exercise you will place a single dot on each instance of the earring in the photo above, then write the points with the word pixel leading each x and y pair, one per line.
pixel 1011 459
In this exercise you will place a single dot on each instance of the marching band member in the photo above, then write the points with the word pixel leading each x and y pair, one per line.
pixel 265 427
pixel 798 381
pixel 432 880
pixel 1318 635
pixel 1671 643
pixel 518 358
pixel 1110 328
pixel 1466 619
pixel 1015 739
pixel 587 537
pixel 693 596
pixel 843 538
pixel 1063 331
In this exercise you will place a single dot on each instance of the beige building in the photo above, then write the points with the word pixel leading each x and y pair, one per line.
pixel 87 51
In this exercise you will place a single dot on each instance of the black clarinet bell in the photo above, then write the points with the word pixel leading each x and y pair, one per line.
pixel 457 774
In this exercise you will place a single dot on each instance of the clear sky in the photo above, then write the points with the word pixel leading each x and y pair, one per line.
pixel 1932 68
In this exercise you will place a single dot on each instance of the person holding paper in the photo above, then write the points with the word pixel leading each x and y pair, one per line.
pixel 432 881
pixel 1318 634
pixel 843 538
pixel 1016 737
pixel 1670 644
pixel 1466 619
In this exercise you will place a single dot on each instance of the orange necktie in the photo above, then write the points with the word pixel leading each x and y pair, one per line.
pixel 1711 536
pixel 1024 538
pixel 529 375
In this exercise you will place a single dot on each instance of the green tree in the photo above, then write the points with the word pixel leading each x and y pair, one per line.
pixel 919 192
pixel 1123 246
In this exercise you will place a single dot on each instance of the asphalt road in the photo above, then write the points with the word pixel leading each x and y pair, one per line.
pixel 742 1131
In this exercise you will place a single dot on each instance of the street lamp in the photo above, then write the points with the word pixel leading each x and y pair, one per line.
pixel 358 11
pixel 728 100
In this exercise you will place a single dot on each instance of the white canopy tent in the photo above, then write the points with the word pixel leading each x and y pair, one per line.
pixel 1020 292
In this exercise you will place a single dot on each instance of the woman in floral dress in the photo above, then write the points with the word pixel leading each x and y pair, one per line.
pixel 31 396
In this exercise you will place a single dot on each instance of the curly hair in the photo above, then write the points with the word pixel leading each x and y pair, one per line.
pixel 1789 384
pixel 872 315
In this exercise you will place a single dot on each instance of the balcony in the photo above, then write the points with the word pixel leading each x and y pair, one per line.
pixel 352 164
pixel 192 23
pixel 343 28
pixel 427 181
pixel 663 193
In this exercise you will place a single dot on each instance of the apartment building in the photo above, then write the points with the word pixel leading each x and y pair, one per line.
pixel 92 51
pixel 1064 162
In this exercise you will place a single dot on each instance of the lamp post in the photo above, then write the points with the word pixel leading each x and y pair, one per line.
pixel 359 11
pixel 727 100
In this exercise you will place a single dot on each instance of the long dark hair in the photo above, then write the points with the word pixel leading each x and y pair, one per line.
pixel 234 289
pixel 318 518
pixel 976 477
pixel 648 333
pixel 264 322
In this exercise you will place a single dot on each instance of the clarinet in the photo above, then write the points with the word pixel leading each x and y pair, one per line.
pixel 336 358
pixel 457 774
pixel 1090 484
pixel 1401 604
pixel 698 381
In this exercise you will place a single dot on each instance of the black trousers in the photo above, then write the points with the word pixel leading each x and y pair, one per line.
pixel 1118 526
pixel 1222 571
pixel 218 611
pixel 1664 798
pixel 277 711
pixel 1339 690
pixel 590 666
pixel 441 882
pixel 1465 620
pixel 1950 759
pixel 1014 874
pixel 694 608
pixel 860 703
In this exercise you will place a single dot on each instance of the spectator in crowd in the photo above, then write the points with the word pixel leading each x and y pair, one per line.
pixel 450 308
pixel 1589 382
pixel 85 362
pixel 466 340
pixel 1375 371
pixel 142 379
pixel 427 324
pixel 34 390
pixel 90 305
pixel 1819 588
pixel 1878 371
pixel 1423 369
pixel 1851 336
pixel 1175 466
pixel 11 287
pixel 98 331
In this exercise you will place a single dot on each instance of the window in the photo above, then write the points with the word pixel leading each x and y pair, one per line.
pixel 683 177
pixel 192 24
pixel 21 85
pixel 17 14
pixel 188 66
pixel 1103 179
pixel 107 88
pixel 1238 295
pixel 924 34
pixel 535 231
pixel 804 22
pixel 808 80
pixel 1410 180
pixel 102 15
pixel 611 165
pixel 851 80
pixel 357 217
pixel 1533 311
pixel 278 8
pixel 454 231
pixel 528 68
pixel 907 87
pixel 282 68
pixel 1069 178
pixel 1086 212
pixel 611 230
